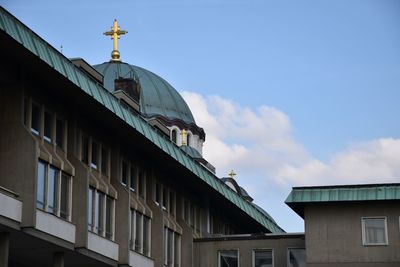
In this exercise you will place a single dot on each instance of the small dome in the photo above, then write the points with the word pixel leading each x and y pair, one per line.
pixel 157 96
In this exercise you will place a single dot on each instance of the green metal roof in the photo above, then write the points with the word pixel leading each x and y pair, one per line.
pixel 300 196
pixel 36 45
pixel 157 96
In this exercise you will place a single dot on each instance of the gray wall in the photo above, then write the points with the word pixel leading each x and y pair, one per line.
pixel 334 236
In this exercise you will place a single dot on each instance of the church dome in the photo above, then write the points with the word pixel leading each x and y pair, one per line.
pixel 157 96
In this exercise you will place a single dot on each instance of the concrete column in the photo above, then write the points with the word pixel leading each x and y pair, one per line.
pixel 4 249
pixel 58 259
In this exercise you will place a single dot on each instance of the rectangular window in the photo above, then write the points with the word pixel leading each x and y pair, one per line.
pixel 171 202
pixel 158 194
pixel 60 133
pixel 133 179
pixel 374 231
pixel 52 183
pixel 124 174
pixel 48 126
pixel 296 257
pixel 90 209
pixel 85 150
pixel 142 185
pixel 109 216
pixel 177 250
pixel 262 258
pixel 146 236
pixel 228 258
pixel 172 248
pixel 26 111
pixel 99 212
pixel 95 155
pixel 41 185
pixel 104 161
pixel 64 193
pixel 139 231
pixel 35 119
pixel 165 198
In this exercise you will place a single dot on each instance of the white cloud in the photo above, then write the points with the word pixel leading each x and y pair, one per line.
pixel 259 143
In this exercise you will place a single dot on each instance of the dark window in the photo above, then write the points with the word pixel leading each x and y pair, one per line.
pixel 158 193
pixel 60 133
pixel 48 126
pixel 174 135
pixel 85 149
pixel 100 212
pixel 104 161
pixel 26 111
pixel 41 185
pixel 109 214
pixel 141 183
pixel 262 258
pixel 138 234
pixel 171 202
pixel 124 178
pixel 35 124
pixel 146 227
pixel 228 258
pixel 64 196
pixel 95 155
pixel 90 209
pixel 165 198
pixel 133 178
pixel 189 139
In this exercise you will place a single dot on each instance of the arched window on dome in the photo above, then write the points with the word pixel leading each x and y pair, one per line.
pixel 174 135
pixel 189 139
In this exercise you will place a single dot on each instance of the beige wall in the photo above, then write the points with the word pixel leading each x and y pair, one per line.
pixel 206 252
pixel 333 234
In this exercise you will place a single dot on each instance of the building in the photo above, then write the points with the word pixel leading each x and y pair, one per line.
pixel 102 166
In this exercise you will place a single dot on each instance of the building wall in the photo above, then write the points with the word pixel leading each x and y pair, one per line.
pixel 206 250
pixel 334 234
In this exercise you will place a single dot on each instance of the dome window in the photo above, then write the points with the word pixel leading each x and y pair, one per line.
pixel 129 86
pixel 174 135
pixel 189 139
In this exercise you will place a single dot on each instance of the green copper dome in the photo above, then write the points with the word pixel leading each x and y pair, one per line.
pixel 157 96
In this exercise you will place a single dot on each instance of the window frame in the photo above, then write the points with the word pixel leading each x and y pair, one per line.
pixel 143 239
pixel 94 210
pixel 253 257
pixel 363 232
pixel 232 249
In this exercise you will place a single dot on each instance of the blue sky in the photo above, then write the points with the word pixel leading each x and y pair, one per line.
pixel 317 81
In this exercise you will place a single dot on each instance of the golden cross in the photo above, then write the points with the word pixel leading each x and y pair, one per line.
pixel 232 174
pixel 115 34
pixel 184 134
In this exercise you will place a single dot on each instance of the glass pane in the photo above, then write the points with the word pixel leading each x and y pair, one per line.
pixel 138 234
pixel 85 150
pixel 60 133
pixel 174 136
pixel 375 231
pixel 94 155
pixel 40 185
pixel 297 257
pixel 170 256
pixel 109 214
pixel 146 236
pixel 141 184
pixel 158 192
pixel 48 123
pixel 104 161
pixel 100 212
pixel 165 198
pixel 262 258
pixel 90 209
pixel 124 178
pixel 52 190
pixel 26 110
pixel 133 230
pixel 177 250
pixel 171 202
pixel 64 196
pixel 35 124
pixel 133 178
pixel 228 258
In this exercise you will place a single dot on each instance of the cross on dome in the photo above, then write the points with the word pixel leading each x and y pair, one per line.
pixel 115 34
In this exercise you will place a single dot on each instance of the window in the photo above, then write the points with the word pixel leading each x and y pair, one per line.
pixel 142 183
pixel 158 194
pixel 171 202
pixel 140 233
pixel 48 126
pixel 133 180
pixel 228 258
pixel 104 161
pixel 95 155
pixel 124 178
pixel 164 198
pixel 60 133
pixel 100 213
pixel 172 248
pixel 85 149
pixel 53 190
pixel 189 139
pixel 35 119
pixel 262 258
pixel 374 231
pixel 174 135
pixel 296 257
